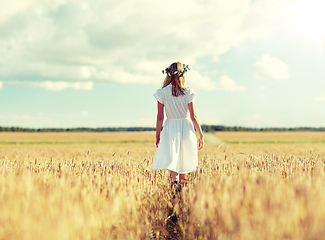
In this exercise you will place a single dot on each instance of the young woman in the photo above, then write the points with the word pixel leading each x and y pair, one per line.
pixel 177 143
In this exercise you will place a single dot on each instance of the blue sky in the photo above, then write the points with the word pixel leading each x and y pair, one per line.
pixel 97 63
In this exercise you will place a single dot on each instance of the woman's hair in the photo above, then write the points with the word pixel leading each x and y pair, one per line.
pixel 174 78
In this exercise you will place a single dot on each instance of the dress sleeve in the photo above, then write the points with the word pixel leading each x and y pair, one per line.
pixel 159 96
pixel 192 95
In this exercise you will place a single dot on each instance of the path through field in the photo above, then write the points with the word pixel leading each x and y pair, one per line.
pixel 212 138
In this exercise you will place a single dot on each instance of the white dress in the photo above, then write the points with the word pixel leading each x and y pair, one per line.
pixel 177 150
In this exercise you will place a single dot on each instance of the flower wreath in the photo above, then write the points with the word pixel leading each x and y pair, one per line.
pixel 180 74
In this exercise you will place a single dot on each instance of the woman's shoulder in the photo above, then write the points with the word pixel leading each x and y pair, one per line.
pixel 189 90
pixel 165 88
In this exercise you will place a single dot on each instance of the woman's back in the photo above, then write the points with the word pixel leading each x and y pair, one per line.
pixel 175 107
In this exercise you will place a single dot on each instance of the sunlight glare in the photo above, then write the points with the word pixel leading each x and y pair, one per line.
pixel 309 17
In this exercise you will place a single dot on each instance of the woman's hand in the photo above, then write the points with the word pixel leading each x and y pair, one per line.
pixel 201 142
pixel 157 140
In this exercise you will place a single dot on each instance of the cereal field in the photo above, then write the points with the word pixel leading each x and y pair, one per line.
pixel 100 186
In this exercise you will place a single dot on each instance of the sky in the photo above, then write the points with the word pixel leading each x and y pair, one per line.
pixel 96 63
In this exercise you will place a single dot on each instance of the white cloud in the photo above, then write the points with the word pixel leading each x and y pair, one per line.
pixel 320 98
pixel 25 116
pixel 123 41
pixel 198 82
pixel 268 67
pixel 1 84
pixel 55 86
pixel 229 85
pixel 11 8
pixel 84 113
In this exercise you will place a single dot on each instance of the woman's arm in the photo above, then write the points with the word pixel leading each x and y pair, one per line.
pixel 196 123
pixel 160 120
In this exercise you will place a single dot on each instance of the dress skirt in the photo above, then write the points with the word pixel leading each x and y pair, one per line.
pixel 177 150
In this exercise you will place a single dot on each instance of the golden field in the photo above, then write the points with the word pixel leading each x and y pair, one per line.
pixel 272 136
pixel 106 190
pixel 77 136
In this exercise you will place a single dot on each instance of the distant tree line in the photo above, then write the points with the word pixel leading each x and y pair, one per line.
pixel 205 128
pixel 213 128
pixel 109 129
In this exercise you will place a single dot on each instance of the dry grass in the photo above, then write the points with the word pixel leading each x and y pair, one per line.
pixel 98 191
